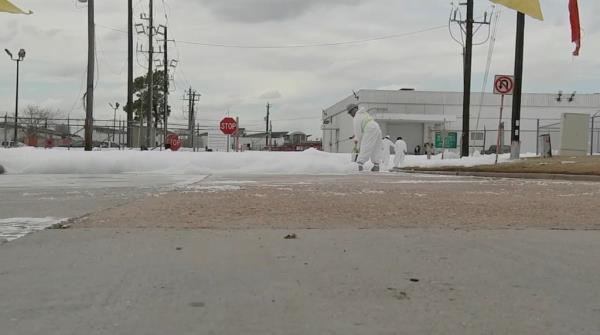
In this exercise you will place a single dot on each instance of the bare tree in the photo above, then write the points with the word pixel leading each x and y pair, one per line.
pixel 36 117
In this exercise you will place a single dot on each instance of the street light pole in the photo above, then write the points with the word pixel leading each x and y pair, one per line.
pixel 114 107
pixel 20 57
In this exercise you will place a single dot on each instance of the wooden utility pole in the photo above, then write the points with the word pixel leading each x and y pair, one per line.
pixel 190 111
pixel 129 72
pixel 165 86
pixel 192 98
pixel 150 76
pixel 468 59
pixel 193 116
pixel 515 134
pixel 89 97
pixel 267 125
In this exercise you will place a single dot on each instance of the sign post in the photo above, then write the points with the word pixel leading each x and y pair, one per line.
pixel 237 134
pixel 503 85
pixel 228 127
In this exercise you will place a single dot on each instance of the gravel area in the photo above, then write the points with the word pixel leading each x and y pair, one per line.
pixel 361 201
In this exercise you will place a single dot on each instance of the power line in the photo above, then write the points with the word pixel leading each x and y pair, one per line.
pixel 297 46
pixel 488 65
pixel 314 45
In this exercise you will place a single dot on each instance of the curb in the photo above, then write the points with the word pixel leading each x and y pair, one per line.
pixel 516 175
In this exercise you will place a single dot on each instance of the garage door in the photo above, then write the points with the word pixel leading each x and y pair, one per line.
pixel 412 133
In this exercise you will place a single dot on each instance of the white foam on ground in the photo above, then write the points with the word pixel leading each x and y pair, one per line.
pixel 29 160
pixel 14 228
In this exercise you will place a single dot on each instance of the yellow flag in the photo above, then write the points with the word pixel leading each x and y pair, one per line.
pixel 8 7
pixel 528 7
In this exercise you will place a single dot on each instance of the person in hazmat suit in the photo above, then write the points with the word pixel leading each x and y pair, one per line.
pixel 385 156
pixel 368 136
pixel 401 152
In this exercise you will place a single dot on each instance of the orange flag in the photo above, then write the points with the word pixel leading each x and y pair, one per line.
pixel 575 26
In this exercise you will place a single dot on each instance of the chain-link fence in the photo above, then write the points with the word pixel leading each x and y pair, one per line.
pixel 485 140
pixel 68 132
pixel 113 133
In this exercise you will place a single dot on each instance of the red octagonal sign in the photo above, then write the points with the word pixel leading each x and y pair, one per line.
pixel 174 142
pixel 228 126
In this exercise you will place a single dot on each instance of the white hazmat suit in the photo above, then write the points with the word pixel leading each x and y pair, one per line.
pixel 387 145
pixel 400 153
pixel 368 135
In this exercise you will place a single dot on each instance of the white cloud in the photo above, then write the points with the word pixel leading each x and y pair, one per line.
pixel 231 79
pixel 270 95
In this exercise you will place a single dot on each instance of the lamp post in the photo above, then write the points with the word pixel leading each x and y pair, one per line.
pixel 20 57
pixel 114 107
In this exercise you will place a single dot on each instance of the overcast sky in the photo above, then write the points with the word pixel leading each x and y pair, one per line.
pixel 298 82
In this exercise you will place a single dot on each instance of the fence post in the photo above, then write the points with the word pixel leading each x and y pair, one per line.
pixel 119 135
pixel 484 138
pixel 592 138
pixel 6 129
pixel 537 138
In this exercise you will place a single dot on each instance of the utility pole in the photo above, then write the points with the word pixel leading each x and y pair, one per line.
pixel 190 111
pixel 467 66
pixel 267 124
pixel 468 59
pixel 193 117
pixel 129 72
pixel 515 134
pixel 150 75
pixel 165 85
pixel 149 111
pixel 192 98
pixel 89 106
pixel 166 65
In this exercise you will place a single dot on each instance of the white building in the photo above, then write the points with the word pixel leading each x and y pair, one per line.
pixel 417 116
pixel 257 141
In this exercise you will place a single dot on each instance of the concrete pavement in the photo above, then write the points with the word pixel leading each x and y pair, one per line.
pixel 432 255
pixel 345 281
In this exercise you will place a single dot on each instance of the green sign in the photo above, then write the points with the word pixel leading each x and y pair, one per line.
pixel 451 140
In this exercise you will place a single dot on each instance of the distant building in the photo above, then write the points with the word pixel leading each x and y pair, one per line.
pixel 258 141
pixel 420 117
pixel 36 136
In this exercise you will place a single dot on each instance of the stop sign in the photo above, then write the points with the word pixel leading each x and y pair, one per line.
pixel 228 126
pixel 174 142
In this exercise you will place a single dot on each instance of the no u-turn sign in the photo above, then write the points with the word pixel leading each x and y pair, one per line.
pixel 504 84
